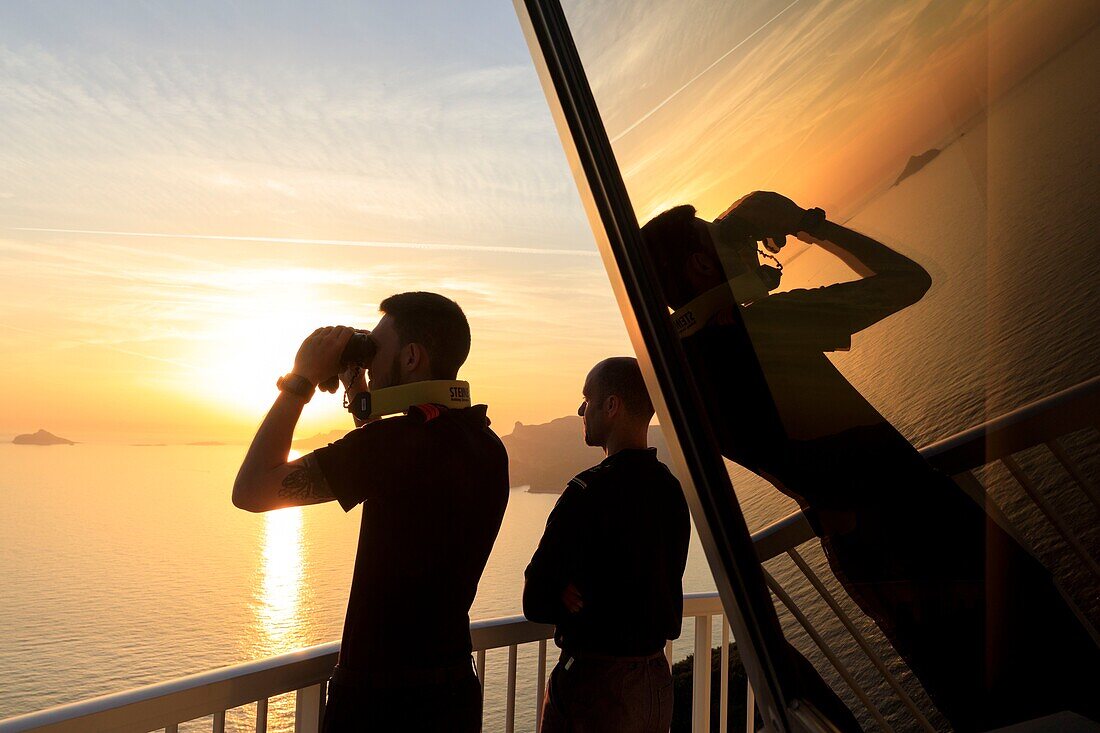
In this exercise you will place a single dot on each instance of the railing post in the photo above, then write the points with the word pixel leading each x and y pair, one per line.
pixel 480 664
pixel 724 680
pixel 750 708
pixel 700 677
pixel 307 710
pixel 540 691
pixel 261 715
pixel 1052 516
pixel 219 722
pixel 826 650
pixel 510 700
pixel 1072 469
pixel 876 660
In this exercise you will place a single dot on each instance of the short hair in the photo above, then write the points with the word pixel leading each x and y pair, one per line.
pixel 671 238
pixel 621 376
pixel 436 323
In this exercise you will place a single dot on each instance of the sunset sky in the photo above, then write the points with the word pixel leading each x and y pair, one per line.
pixel 187 190
pixel 422 128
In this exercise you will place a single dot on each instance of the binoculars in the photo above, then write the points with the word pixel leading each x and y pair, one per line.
pixel 360 350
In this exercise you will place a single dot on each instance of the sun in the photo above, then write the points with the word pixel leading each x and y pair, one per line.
pixel 241 355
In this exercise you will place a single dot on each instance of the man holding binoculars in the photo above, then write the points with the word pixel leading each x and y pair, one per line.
pixel 434 486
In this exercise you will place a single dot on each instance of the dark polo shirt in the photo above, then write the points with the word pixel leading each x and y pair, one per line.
pixel 434 487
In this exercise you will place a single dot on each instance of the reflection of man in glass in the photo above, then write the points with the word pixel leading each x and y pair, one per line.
pixel 975 616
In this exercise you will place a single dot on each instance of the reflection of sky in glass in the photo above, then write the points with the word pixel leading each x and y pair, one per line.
pixel 823 101
pixel 278 595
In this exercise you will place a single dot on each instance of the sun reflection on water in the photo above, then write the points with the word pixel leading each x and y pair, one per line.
pixel 278 601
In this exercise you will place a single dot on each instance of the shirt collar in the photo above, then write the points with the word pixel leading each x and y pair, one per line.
pixel 631 454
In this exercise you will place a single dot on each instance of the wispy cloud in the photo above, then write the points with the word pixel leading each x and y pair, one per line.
pixel 820 100
pixel 426 246
pixel 702 73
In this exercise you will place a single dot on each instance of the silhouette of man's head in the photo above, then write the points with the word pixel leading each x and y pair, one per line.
pixel 691 255
pixel 615 399
pixel 421 336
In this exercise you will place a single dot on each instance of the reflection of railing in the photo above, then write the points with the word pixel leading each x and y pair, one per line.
pixel 1041 423
pixel 211 694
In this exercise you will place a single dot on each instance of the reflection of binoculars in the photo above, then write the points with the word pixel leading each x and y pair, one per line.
pixel 769 276
pixel 748 254
pixel 360 351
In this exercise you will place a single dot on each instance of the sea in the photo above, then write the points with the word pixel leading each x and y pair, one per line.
pixel 124 565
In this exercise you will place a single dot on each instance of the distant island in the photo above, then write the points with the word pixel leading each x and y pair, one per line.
pixel 207 442
pixel 42 437
pixel 916 163
pixel 305 445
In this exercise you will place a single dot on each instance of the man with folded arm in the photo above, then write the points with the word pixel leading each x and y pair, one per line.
pixel 608 569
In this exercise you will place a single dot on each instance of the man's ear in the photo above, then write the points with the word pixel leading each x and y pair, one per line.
pixel 702 272
pixel 613 405
pixel 700 263
pixel 413 357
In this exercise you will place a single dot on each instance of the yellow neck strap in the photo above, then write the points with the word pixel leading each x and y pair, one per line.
pixel 695 314
pixel 392 400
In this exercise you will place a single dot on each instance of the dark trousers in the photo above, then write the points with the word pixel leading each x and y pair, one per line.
pixel 590 694
pixel 450 702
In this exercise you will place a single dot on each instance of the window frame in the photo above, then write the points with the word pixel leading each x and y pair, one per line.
pixel 718 518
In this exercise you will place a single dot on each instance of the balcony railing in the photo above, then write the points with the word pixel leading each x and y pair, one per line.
pixel 212 694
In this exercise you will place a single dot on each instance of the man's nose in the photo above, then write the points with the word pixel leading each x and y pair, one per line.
pixel 580 410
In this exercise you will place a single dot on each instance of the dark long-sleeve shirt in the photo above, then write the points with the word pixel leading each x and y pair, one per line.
pixel 619 533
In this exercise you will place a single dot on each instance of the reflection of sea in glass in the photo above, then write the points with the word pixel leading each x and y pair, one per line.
pixel 278 596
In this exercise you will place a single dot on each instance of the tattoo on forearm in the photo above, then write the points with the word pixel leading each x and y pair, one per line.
pixel 306 483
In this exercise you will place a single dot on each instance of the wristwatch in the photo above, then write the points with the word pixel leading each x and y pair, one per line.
pixel 811 221
pixel 296 384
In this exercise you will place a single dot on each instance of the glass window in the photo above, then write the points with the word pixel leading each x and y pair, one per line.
pixel 886 242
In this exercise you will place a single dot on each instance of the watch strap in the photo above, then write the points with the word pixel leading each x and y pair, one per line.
pixel 296 384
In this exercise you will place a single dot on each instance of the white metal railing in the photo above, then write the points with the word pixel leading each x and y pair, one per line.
pixel 211 694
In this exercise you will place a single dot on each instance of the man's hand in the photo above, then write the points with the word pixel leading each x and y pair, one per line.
pixel 318 357
pixel 571 599
pixel 770 215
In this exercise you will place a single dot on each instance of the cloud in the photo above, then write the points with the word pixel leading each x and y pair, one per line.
pixel 127 295
pixel 422 246
pixel 460 152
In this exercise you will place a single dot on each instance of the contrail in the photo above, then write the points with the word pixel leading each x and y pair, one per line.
pixel 695 78
pixel 429 246
pixel 111 347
